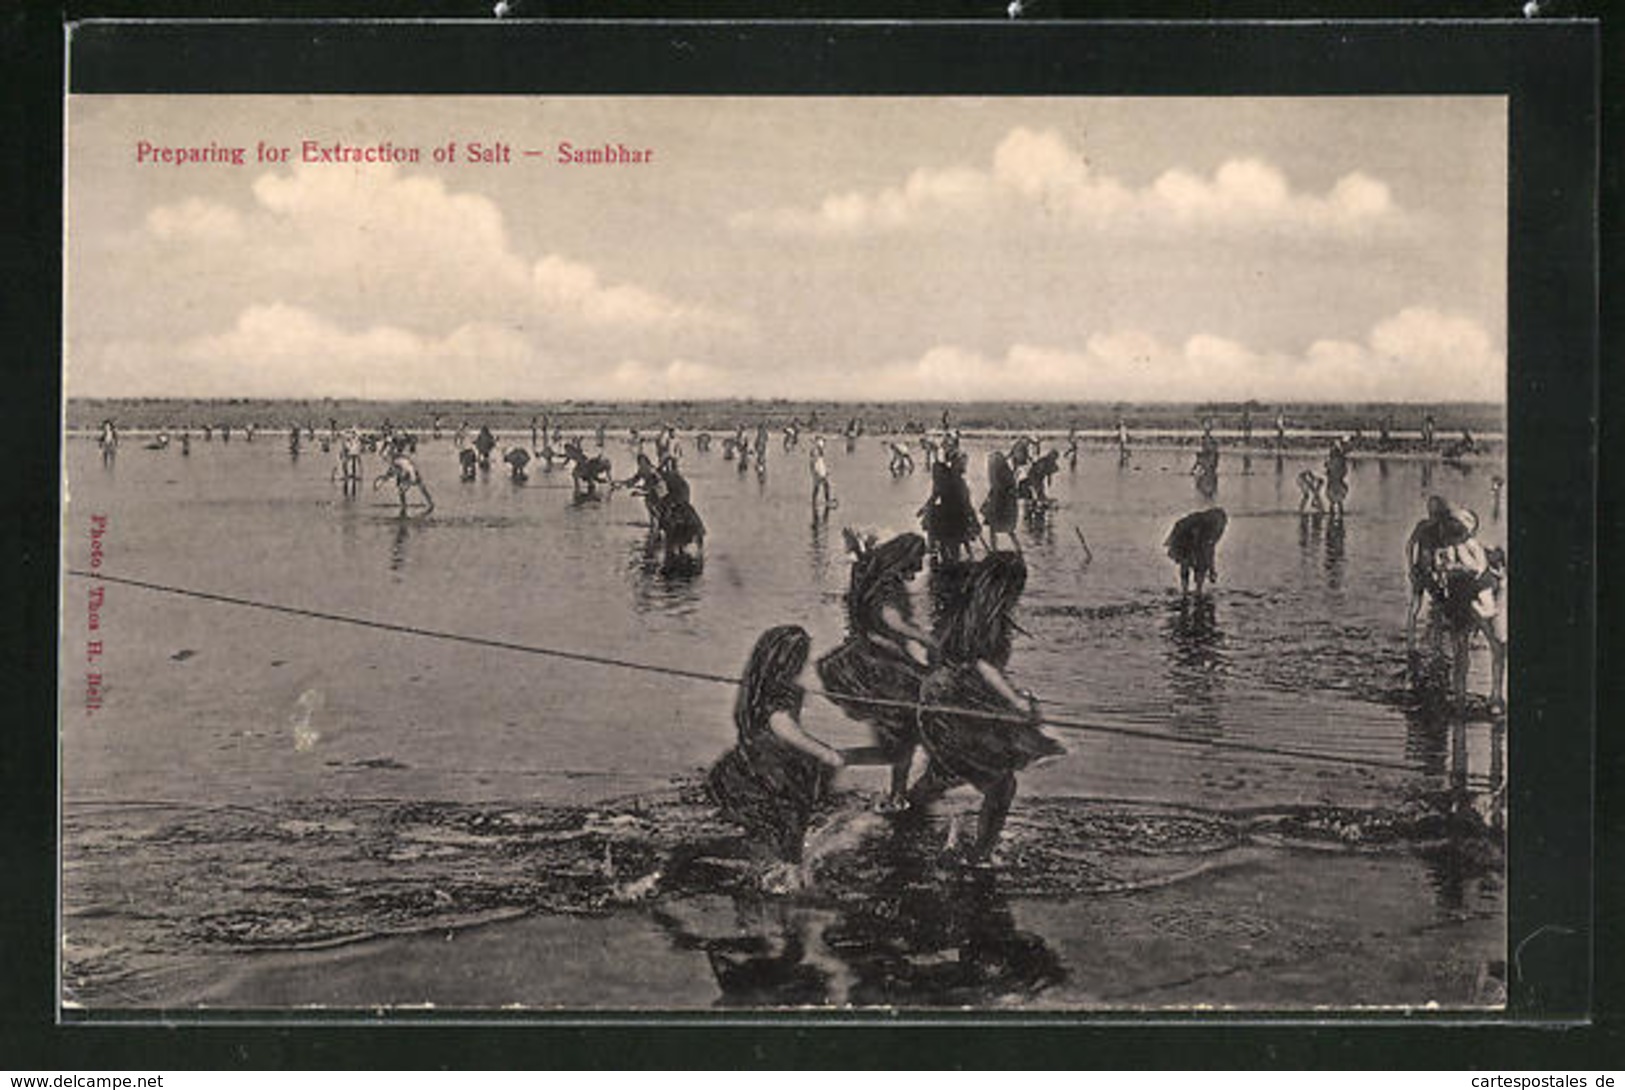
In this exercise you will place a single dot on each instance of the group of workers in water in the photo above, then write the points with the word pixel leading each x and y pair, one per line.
pixel 943 688
pixel 946 691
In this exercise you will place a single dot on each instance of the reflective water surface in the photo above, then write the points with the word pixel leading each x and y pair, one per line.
pixel 331 791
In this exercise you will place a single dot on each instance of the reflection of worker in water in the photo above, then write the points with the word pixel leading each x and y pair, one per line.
pixel 916 940
pixel 905 934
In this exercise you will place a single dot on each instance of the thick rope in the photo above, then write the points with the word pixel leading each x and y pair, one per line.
pixel 722 679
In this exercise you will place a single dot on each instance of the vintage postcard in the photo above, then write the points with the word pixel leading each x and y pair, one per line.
pixel 648 554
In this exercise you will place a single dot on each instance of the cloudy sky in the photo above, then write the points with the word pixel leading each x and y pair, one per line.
pixel 1012 248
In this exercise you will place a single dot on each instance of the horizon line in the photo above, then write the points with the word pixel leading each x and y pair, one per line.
pixel 1037 402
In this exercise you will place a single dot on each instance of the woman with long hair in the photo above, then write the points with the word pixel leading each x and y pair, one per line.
pixel 1001 735
pixel 885 656
pixel 773 778
pixel 1002 505
pixel 948 518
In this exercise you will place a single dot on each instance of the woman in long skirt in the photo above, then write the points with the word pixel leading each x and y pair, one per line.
pixel 680 524
pixel 1000 735
pixel 771 781
pixel 884 657
pixel 1191 545
pixel 948 517
pixel 1002 505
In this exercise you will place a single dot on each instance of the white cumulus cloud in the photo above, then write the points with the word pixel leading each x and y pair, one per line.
pixel 282 350
pixel 569 287
pixel 1417 355
pixel 1040 172
pixel 398 248
pixel 279 350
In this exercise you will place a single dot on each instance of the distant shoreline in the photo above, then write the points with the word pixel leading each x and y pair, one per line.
pixel 1489 446
pixel 1484 420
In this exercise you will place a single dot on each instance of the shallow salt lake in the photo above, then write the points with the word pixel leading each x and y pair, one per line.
pixel 1299 647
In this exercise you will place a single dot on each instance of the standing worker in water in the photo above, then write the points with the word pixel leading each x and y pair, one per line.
pixel 484 444
pixel 948 517
pixel 818 466
pixel 1428 537
pixel 1002 505
pixel 108 440
pixel 885 656
pixel 350 460
pixel 1470 604
pixel 976 726
pixel 1337 477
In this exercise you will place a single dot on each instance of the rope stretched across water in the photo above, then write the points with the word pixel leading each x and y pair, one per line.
pixel 724 679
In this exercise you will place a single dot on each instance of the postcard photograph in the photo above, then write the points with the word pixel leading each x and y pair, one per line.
pixel 669 554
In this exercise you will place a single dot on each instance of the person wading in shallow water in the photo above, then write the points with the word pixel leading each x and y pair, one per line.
pixel 586 474
pixel 1337 477
pixel 680 524
pixel 517 460
pixel 645 481
pixel 1191 544
pixel 108 441
pixel 405 475
pixel 1002 505
pixel 974 636
pixel 1309 486
pixel 818 466
pixel 484 444
pixel 776 774
pixel 1421 552
pixel 350 460
pixel 1470 603
pixel 902 461
pixel 948 518
pixel 1034 486
pixel 884 657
